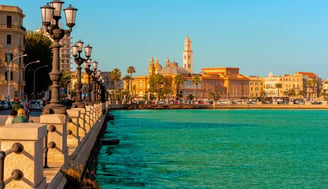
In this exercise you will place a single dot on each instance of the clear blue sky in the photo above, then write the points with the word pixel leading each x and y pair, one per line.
pixel 258 36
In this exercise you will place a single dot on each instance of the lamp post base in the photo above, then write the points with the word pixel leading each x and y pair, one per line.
pixel 78 105
pixel 54 109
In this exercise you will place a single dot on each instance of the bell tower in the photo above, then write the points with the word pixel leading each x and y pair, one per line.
pixel 151 67
pixel 187 55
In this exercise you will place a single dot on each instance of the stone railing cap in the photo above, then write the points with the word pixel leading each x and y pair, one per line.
pixel 73 112
pixel 53 118
pixel 23 131
pixel 82 110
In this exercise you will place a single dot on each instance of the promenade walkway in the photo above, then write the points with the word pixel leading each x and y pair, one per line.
pixel 36 119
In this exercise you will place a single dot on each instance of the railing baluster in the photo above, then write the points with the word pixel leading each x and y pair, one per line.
pixel 46 151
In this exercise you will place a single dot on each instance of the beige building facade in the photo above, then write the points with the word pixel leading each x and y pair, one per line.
pixel 256 87
pixel 299 85
pixel 12 49
pixel 65 54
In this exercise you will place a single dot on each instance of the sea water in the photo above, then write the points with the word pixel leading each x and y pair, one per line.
pixel 216 149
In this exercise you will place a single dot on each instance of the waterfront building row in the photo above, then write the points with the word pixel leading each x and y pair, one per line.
pixel 224 82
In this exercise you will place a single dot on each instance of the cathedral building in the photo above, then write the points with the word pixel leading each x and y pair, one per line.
pixel 213 83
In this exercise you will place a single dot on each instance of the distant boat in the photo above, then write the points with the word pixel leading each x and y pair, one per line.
pixel 110 141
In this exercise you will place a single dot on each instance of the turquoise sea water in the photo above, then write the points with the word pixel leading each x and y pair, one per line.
pixel 216 149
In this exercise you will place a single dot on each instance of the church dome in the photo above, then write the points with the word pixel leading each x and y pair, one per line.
pixel 173 70
pixel 157 65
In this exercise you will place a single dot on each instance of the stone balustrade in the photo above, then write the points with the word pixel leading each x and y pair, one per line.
pixel 49 149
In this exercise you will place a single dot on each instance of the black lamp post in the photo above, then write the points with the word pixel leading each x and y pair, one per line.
pixel 100 79
pixel 103 91
pixel 76 52
pixel 87 67
pixel 95 85
pixel 50 20
pixel 94 78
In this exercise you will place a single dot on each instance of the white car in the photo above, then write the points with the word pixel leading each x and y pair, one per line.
pixel 36 105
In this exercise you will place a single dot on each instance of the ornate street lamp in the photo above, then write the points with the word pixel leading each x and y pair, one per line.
pixel 50 19
pixel 87 67
pixel 103 91
pixel 76 51
pixel 100 79
pixel 97 74
pixel 94 73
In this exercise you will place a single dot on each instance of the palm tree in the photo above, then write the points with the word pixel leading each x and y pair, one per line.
pixel 195 80
pixel 115 75
pixel 131 70
pixel 324 94
pixel 178 80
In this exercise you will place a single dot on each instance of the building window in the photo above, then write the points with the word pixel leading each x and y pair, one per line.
pixel 9 39
pixel 9 21
pixel 11 75
pixel 185 57
pixel 9 57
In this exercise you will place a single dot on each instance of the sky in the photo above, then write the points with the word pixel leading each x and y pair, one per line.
pixel 257 36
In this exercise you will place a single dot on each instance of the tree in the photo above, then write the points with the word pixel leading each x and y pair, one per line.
pixel 291 93
pixel 215 95
pixel 278 86
pixel 156 83
pixel 127 80
pixel 131 70
pixel 178 80
pixel 324 94
pixel 301 93
pixel 195 80
pixel 115 75
pixel 65 80
pixel 313 85
pixel 37 46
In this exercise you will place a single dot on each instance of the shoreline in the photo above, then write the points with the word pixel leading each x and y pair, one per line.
pixel 220 106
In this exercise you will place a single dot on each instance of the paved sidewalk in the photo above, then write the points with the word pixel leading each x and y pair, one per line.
pixel 3 119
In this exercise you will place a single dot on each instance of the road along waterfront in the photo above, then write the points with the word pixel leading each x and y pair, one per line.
pixel 216 148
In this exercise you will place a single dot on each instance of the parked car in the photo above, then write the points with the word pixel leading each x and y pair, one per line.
pixel 36 105
pixel 223 102
pixel 10 104
pixel 251 102
pixel 316 102
pixel 161 102
pixel 4 105
pixel 298 101
pixel 201 102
